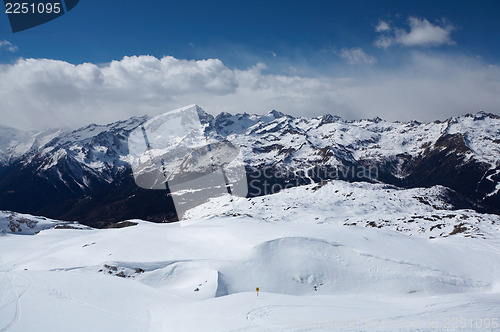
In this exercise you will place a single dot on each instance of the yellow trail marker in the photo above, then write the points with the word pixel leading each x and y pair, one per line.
pixel 257 290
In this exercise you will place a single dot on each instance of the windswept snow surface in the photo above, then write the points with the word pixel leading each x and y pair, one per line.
pixel 340 256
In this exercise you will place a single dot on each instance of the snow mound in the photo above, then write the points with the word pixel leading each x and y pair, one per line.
pixel 307 266
pixel 187 279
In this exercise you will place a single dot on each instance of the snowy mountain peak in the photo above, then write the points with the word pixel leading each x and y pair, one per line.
pixel 329 118
pixel 275 114
pixel 482 115
pixel 272 115
pixel 15 143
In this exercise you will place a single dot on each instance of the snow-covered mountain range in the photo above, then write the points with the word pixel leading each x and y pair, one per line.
pixel 84 174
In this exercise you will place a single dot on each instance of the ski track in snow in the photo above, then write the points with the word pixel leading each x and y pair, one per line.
pixel 10 298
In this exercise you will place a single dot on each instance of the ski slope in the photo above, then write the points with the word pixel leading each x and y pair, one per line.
pixel 342 256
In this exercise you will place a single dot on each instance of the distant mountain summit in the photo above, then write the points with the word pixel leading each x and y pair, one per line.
pixel 84 174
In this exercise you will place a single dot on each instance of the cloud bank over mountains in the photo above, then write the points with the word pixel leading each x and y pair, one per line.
pixel 37 93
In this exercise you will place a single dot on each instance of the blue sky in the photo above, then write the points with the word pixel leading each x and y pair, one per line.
pixel 293 30
pixel 343 47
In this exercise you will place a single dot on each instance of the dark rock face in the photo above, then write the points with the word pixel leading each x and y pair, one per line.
pixel 447 164
pixel 98 205
pixel 84 175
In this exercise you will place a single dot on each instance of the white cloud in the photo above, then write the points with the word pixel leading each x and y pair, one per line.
pixel 421 33
pixel 41 92
pixel 356 56
pixel 382 26
pixel 7 46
